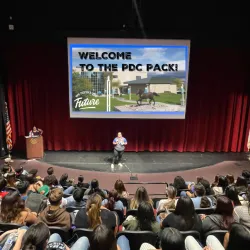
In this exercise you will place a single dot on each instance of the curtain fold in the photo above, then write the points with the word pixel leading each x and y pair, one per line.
pixel 217 116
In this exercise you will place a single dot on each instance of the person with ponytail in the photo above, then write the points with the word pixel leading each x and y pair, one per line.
pixel 95 214
pixel 113 202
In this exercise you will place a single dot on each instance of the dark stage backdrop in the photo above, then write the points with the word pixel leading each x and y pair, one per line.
pixel 217 116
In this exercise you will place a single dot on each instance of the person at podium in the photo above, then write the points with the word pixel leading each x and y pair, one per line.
pixel 35 132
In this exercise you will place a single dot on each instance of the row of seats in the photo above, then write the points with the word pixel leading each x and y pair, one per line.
pixel 136 238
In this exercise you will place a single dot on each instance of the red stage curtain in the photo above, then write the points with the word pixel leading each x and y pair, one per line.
pixel 217 118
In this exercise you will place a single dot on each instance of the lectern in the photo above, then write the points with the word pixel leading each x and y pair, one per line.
pixel 34 147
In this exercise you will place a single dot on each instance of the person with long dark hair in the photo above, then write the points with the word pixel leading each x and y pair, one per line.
pixel 13 210
pixel 222 219
pixel 95 189
pixel 184 217
pixel 233 194
pixel 113 202
pixel 221 185
pixel 144 221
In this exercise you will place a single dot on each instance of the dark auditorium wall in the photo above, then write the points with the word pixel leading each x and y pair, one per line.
pixel 217 118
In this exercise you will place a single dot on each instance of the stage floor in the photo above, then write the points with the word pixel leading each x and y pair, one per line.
pixel 142 162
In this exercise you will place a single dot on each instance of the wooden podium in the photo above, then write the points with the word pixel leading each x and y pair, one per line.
pixel 34 147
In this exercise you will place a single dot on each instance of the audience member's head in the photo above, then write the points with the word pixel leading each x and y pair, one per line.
pixel 179 183
pixel 33 172
pixel 119 187
pixel 230 179
pixel 225 208
pixel 11 206
pixel 172 239
pixel 171 192
pixel 199 190
pixel 80 179
pixel 50 171
pixel 112 199
pixel 103 239
pixel 222 182
pixel 93 207
pixel 50 180
pixel 11 179
pixel 63 179
pixel 241 182
pixel 205 202
pixel 94 184
pixel 141 195
pixel 55 196
pixel 31 179
pixel 145 216
pixel 19 171
pixel 207 186
pixel 246 174
pixel 22 187
pixel 78 194
pixel 36 237
pixel 233 194
pixel 239 237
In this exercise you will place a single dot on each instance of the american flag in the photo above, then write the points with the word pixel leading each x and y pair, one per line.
pixel 8 128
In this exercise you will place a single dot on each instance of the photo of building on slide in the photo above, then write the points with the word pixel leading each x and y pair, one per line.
pixel 130 91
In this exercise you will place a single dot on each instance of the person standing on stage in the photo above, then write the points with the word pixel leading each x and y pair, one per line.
pixel 35 132
pixel 119 142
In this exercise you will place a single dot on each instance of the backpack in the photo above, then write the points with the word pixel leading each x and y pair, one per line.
pixel 36 202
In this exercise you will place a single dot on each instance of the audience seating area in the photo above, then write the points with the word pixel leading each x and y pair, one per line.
pixel 196 209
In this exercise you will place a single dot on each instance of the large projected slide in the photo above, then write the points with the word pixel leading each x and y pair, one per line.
pixel 128 78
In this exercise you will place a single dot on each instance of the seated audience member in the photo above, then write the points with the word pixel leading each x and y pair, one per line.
pixel 221 185
pixel 22 187
pixel 19 174
pixel 237 238
pixel 121 190
pixel 38 237
pixel 184 218
pixel 53 215
pixel 170 239
pixel 241 184
pixel 242 213
pixel 77 199
pixel 64 182
pixel 33 172
pixel 50 180
pixel 104 239
pixel 233 194
pixel 246 175
pixel 199 192
pixel 94 189
pixel 95 214
pixel 113 202
pixel 144 221
pixel 179 183
pixel 33 188
pixel 207 186
pixel 11 180
pixel 50 172
pixel 222 218
pixel 230 179
pixel 171 200
pixel 141 195
pixel 13 210
pixel 30 178
pixel 205 202
pixel 81 183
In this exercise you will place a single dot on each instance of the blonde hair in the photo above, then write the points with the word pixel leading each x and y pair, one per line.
pixel 93 207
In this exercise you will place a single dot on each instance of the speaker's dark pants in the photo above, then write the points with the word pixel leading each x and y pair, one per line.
pixel 117 156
